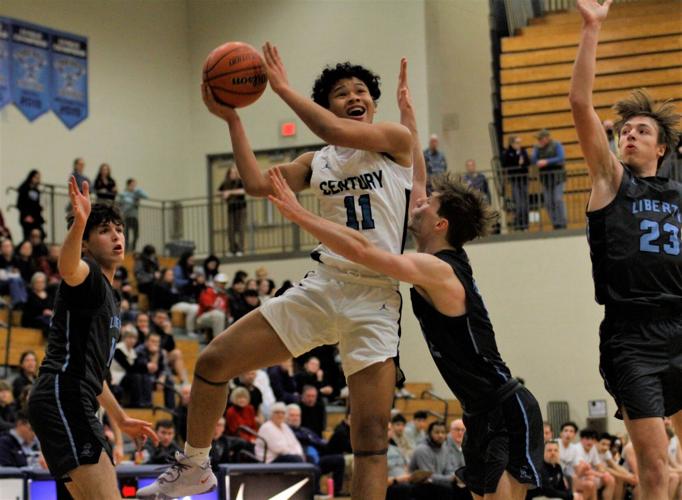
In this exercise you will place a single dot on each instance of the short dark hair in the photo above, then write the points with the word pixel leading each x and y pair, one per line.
pixel 436 423
pixel 332 74
pixel 130 181
pixel 307 387
pixel 100 213
pixel 420 414
pixel 166 424
pixel 398 418
pixel 467 211
pixel 606 435
pixel 589 434
pixel 570 424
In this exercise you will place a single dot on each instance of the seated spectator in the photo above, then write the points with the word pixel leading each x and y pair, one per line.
pixel 20 447
pixel 282 443
pixel 313 410
pixel 146 269
pixel 142 326
pixel 589 467
pixel 454 442
pixel 184 275
pixel 433 456
pixel 247 380
pixel 123 286
pixel 397 428
pixel 126 373
pixel 251 300
pixel 315 449
pixel 403 485
pixel 162 325
pixel 266 289
pixel 48 265
pixel 340 440
pixel 8 410
pixel 165 296
pixel 211 268
pixel 164 453
pixel 240 413
pixel 554 484
pixel 607 463
pixel 569 458
pixel 547 431
pixel 415 431
pixel 313 375
pixel 214 307
pixel 227 449
pixel 10 278
pixel 238 305
pixel 38 308
pixel 153 357
pixel 262 383
pixel 28 371
pixel 39 247
pixel 25 262
pixel 283 383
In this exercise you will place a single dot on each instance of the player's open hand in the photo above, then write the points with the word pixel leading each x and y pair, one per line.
pixel 80 202
pixel 284 198
pixel 592 11
pixel 220 110
pixel 404 98
pixel 277 74
pixel 139 430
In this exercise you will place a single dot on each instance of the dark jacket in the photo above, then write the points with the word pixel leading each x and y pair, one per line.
pixel 511 158
pixel 160 454
pixel 283 385
pixel 11 453
pixel 553 484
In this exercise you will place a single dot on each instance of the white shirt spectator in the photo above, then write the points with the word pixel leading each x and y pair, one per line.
pixel 569 457
pixel 604 458
pixel 262 382
pixel 281 441
pixel 589 457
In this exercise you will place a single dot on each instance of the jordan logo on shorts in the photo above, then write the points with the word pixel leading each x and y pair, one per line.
pixel 383 307
pixel 87 450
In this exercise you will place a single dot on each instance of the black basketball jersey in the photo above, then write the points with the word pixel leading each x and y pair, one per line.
pixel 635 244
pixel 84 329
pixel 464 347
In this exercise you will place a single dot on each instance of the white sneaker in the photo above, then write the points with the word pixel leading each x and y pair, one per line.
pixel 182 478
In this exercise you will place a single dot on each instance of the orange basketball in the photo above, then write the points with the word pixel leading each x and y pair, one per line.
pixel 235 73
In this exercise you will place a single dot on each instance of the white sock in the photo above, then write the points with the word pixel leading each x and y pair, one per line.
pixel 197 455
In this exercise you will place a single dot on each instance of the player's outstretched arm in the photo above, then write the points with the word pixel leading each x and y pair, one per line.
pixel 420 269
pixel 605 169
pixel 139 430
pixel 386 137
pixel 409 119
pixel 255 182
pixel 71 267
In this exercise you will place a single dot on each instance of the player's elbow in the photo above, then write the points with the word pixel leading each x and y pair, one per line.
pixel 257 190
pixel 578 100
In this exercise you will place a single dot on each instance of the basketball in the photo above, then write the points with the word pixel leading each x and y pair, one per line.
pixel 235 73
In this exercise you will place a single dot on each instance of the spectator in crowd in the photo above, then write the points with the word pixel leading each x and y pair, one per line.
pixel 251 284
pixel 282 443
pixel 397 428
pixel 262 383
pixel 28 370
pixel 226 449
pixel 433 456
pixel 476 180
pixel 123 286
pixel 4 230
pixel 340 440
pixel 547 431
pixel 162 325
pixel 146 269
pixel 238 305
pixel 315 449
pixel 153 358
pixel 28 204
pixel 241 413
pixel 415 431
pixel 611 136
pixel 78 173
pixel 38 246
pixel 165 296
pixel 25 263
pixel 184 275
pixel 247 380
pixel 142 326
pixel 590 469
pixel 37 311
pixel 261 273
pixel 548 155
pixel 105 185
pixel 554 484
pixel 19 447
pixel 10 278
pixel 164 452
pixel 211 268
pixel 515 162
pixel 571 466
pixel 214 307
pixel 266 289
pixel 313 410
pixel 435 161
pixel 129 201
pixel 332 375
pixel 251 300
pixel 48 265
pixel 8 410
pixel 607 463
pixel 283 383
pixel 232 191
pixel 313 375
pixel 126 373
pixel 454 442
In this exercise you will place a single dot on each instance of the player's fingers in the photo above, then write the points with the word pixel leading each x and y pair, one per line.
pixel 86 189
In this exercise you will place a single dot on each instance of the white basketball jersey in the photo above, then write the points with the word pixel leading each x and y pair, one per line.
pixel 363 190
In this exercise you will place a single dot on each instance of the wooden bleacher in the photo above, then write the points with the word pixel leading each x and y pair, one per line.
pixel 640 46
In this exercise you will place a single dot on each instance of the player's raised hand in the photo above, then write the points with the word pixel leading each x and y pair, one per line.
pixel 80 202
pixel 277 74
pixel 404 98
pixel 220 110
pixel 139 430
pixel 592 11
pixel 284 198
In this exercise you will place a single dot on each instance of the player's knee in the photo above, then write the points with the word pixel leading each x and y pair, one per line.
pixel 209 362
pixel 654 473
pixel 370 432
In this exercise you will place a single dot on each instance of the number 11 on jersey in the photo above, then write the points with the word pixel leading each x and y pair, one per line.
pixel 365 207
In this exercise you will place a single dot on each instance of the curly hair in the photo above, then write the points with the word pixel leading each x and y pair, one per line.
pixel 467 211
pixel 332 74
pixel 640 103
pixel 100 213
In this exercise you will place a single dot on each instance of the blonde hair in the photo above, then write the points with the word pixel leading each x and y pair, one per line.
pixel 239 392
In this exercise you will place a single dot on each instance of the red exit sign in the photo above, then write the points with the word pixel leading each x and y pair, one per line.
pixel 287 129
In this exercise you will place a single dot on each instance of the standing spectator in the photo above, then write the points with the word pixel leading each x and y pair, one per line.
pixel 283 383
pixel 146 269
pixel 19 447
pixel 8 410
pixel 475 179
pixel 78 169
pixel 554 484
pixel 435 161
pixel 28 370
pixel 241 413
pixel 105 185
pixel 282 443
pixel 211 267
pixel 548 155
pixel 313 410
pixel 232 191
pixel 213 307
pixel 37 312
pixel 165 451
pixel 28 204
pixel 129 201
pixel 515 162
pixel 25 262
pixel 10 279
pixel 4 230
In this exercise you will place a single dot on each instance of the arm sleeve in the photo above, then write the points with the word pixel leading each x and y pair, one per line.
pixel 91 292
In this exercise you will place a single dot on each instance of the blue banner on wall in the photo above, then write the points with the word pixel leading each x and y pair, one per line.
pixel 69 78
pixel 4 62
pixel 30 69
